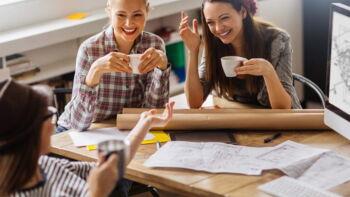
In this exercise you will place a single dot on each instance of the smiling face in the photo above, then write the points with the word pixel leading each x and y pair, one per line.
pixel 128 18
pixel 224 22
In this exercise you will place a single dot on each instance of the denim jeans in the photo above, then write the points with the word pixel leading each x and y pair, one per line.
pixel 122 189
pixel 60 129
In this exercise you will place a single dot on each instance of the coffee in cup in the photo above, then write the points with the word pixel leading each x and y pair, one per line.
pixel 135 62
pixel 229 63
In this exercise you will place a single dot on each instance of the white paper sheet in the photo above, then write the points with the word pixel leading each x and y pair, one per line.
pixel 317 167
pixel 224 158
pixel 328 171
pixel 289 187
pixel 290 157
pixel 93 137
pixel 210 157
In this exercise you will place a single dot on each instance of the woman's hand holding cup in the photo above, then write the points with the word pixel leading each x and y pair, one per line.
pixel 230 64
pixel 102 179
pixel 112 62
pixel 151 59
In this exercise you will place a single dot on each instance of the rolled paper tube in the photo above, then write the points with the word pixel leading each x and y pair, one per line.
pixel 215 111
pixel 242 121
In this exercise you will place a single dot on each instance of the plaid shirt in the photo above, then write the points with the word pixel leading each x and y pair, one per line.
pixel 116 90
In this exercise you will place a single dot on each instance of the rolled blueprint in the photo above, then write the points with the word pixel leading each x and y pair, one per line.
pixel 221 110
pixel 242 119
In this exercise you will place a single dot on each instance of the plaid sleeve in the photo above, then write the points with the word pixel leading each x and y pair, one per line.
pixel 157 88
pixel 84 97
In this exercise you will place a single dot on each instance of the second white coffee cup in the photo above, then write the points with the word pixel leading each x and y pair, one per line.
pixel 135 62
pixel 229 63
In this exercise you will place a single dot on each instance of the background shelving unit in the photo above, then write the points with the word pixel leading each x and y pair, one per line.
pixel 49 33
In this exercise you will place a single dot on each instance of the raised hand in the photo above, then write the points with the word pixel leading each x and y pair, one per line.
pixel 190 36
pixel 159 120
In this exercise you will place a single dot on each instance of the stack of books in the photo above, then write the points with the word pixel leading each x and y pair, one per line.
pixel 18 64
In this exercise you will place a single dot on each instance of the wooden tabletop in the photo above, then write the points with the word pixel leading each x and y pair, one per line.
pixel 193 183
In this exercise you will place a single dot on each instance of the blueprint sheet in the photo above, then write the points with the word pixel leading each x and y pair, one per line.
pixel 224 158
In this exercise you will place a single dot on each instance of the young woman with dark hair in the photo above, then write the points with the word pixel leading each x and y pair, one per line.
pixel 26 125
pixel 229 29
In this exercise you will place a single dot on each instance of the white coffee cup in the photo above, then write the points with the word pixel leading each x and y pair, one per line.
pixel 229 63
pixel 135 62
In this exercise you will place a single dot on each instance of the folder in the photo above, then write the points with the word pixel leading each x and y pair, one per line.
pixel 159 136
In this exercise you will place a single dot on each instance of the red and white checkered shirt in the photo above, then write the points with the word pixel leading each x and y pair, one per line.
pixel 116 90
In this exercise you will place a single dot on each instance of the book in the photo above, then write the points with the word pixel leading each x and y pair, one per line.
pixel 22 67
pixel 18 63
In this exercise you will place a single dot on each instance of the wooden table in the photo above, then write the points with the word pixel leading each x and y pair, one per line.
pixel 193 183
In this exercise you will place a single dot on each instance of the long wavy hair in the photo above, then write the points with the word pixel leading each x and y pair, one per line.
pixel 257 45
pixel 22 111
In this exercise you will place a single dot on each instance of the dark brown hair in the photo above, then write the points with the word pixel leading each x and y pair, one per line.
pixel 256 45
pixel 22 111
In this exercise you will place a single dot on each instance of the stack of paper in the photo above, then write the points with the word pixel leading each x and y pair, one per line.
pixel 220 158
pixel 320 168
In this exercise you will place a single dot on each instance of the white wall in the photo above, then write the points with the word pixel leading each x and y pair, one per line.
pixel 287 14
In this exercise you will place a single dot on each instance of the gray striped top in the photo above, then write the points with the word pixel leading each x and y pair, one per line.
pixel 61 178
pixel 281 59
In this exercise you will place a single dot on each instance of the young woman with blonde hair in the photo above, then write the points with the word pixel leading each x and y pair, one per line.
pixel 104 83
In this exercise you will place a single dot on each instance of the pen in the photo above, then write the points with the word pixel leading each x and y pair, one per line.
pixel 158 145
pixel 273 137
pixel 232 138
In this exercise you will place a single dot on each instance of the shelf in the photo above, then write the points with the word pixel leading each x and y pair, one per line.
pixel 62 29
pixel 50 71
pixel 48 33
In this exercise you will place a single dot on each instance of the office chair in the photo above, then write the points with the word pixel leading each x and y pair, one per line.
pixel 60 98
pixel 305 81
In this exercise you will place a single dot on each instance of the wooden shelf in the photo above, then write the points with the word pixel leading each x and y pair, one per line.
pixel 61 30
pixel 50 32
pixel 50 71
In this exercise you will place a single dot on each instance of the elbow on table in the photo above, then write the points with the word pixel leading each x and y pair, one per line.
pixel 194 105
